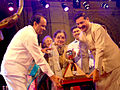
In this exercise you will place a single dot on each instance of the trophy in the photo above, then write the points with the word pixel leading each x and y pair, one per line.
pixel 73 75
pixel 72 71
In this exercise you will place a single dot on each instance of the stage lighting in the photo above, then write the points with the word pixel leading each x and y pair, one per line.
pixel 86 5
pixel 65 7
pixel 10 6
pixel 76 3
pixel 46 5
pixel 104 5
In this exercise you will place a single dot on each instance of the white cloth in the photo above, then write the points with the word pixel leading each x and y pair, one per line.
pixel 20 53
pixel 15 82
pixel 91 60
pixel 54 60
pixel 74 45
pixel 109 81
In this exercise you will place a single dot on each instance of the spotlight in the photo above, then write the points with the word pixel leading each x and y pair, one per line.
pixel 46 5
pixel 65 7
pixel 86 5
pixel 76 3
pixel 104 5
pixel 10 6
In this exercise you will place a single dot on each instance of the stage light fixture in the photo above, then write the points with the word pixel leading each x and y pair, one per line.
pixel 45 4
pixel 86 5
pixel 76 3
pixel 10 6
pixel 104 5
pixel 65 7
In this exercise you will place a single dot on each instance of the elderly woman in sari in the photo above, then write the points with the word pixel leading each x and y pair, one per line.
pixel 57 60
pixel 61 48
pixel 56 56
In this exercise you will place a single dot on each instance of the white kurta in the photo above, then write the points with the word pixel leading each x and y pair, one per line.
pixel 74 45
pixel 54 61
pixel 83 59
pixel 20 53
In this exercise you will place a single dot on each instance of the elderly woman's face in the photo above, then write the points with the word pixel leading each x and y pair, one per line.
pixel 60 39
pixel 48 41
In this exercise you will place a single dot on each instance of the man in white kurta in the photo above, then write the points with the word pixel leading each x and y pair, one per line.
pixel 105 51
pixel 81 49
pixel 20 53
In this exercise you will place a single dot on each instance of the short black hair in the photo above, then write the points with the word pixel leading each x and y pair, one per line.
pixel 80 14
pixel 36 17
pixel 73 28
pixel 60 31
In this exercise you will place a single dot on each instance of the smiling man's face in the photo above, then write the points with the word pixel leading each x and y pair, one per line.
pixel 40 27
pixel 82 23
pixel 76 33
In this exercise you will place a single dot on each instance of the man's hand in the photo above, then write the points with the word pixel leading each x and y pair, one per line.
pixel 56 80
pixel 95 74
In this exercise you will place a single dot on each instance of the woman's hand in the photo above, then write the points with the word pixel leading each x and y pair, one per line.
pixel 45 50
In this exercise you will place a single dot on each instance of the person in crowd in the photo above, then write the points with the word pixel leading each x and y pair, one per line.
pixel 44 82
pixel 57 60
pixel 106 53
pixel 47 41
pixel 60 38
pixel 55 56
pixel 82 57
pixel 20 53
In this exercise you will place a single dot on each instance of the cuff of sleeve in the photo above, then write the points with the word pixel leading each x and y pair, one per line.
pixel 97 69
pixel 50 74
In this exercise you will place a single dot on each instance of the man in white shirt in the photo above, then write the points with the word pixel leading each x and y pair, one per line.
pixel 105 51
pixel 82 57
pixel 22 49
